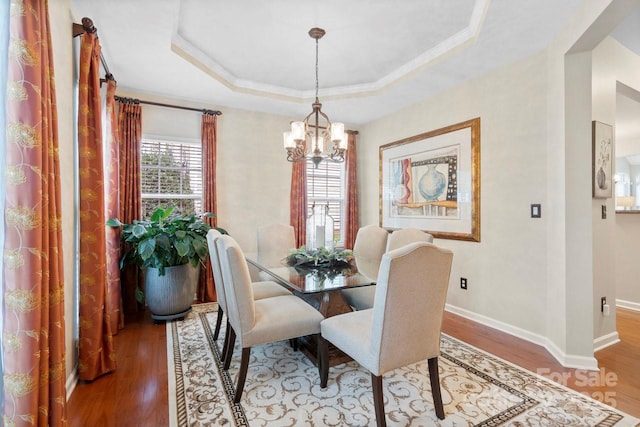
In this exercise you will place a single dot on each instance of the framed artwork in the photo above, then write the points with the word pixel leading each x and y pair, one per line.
pixel 431 182
pixel 602 160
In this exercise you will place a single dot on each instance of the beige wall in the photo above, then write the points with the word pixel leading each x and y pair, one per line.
pixel 506 270
pixel 612 63
pixel 60 19
pixel 620 279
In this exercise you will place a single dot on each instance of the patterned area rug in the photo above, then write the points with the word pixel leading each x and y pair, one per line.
pixel 282 388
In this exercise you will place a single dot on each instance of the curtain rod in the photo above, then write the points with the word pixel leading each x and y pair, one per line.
pixel 160 104
pixel 87 26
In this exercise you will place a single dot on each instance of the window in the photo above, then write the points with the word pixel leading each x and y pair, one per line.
pixel 171 176
pixel 326 185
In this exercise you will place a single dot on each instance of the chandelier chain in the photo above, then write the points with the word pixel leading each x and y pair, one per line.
pixel 317 70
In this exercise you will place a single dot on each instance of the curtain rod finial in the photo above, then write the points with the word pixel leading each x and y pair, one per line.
pixel 87 23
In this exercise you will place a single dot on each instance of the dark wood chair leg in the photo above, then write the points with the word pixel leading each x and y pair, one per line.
pixel 293 342
pixel 229 348
pixel 242 373
pixel 378 400
pixel 216 332
pixel 226 342
pixel 434 376
pixel 323 361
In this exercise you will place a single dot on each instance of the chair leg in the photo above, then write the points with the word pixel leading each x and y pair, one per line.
pixel 323 361
pixel 216 332
pixel 229 348
pixel 223 356
pixel 434 376
pixel 378 400
pixel 293 342
pixel 242 373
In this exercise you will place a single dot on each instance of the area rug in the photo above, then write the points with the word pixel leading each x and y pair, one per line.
pixel 282 388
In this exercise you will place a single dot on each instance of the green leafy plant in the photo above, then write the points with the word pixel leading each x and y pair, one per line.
pixel 319 258
pixel 165 240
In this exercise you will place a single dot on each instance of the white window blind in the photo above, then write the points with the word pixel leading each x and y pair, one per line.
pixel 325 185
pixel 171 176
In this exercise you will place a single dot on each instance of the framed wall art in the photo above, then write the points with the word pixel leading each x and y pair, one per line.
pixel 602 160
pixel 431 182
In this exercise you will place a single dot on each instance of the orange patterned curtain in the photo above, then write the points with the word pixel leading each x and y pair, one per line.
pixel 130 136
pixel 113 309
pixel 206 288
pixel 33 278
pixel 298 201
pixel 97 355
pixel 351 214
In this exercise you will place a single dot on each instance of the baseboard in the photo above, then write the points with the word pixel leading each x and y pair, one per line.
pixel 629 305
pixel 72 381
pixel 605 341
pixel 566 360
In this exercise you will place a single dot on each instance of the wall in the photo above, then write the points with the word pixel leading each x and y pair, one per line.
pixel 506 270
pixel 614 63
pixel 527 276
pixel 60 20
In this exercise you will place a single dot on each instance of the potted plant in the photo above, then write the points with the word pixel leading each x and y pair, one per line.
pixel 168 247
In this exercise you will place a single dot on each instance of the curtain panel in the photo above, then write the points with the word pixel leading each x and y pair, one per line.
pixel 351 205
pixel 130 204
pixel 33 278
pixel 298 201
pixel 97 355
pixel 113 309
pixel 209 135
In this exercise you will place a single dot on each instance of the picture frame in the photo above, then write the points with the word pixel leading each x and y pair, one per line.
pixel 602 160
pixel 431 182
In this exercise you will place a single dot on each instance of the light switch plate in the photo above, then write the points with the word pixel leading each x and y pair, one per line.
pixel 536 211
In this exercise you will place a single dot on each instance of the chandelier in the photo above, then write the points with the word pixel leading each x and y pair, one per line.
pixel 311 137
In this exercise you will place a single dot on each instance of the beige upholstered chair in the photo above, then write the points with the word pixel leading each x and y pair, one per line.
pixel 262 321
pixel 404 325
pixel 261 290
pixel 405 236
pixel 362 298
pixel 275 241
pixel 370 245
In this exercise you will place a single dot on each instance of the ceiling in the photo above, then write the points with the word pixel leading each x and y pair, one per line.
pixel 374 59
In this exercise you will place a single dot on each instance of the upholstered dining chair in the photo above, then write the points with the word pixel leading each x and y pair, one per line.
pixel 404 325
pixel 368 248
pixel 274 243
pixel 263 289
pixel 362 298
pixel 263 321
pixel 405 236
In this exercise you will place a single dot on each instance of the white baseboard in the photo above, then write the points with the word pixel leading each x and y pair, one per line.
pixel 72 381
pixel 605 341
pixel 629 305
pixel 566 360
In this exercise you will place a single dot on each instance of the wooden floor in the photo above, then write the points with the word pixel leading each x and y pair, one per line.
pixel 136 393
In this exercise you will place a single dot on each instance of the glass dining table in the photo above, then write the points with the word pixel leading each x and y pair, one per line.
pixel 320 288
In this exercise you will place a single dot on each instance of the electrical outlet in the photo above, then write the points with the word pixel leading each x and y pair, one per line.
pixel 604 211
pixel 463 283
pixel 603 302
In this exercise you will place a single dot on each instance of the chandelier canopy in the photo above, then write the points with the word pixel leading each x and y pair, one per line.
pixel 311 137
